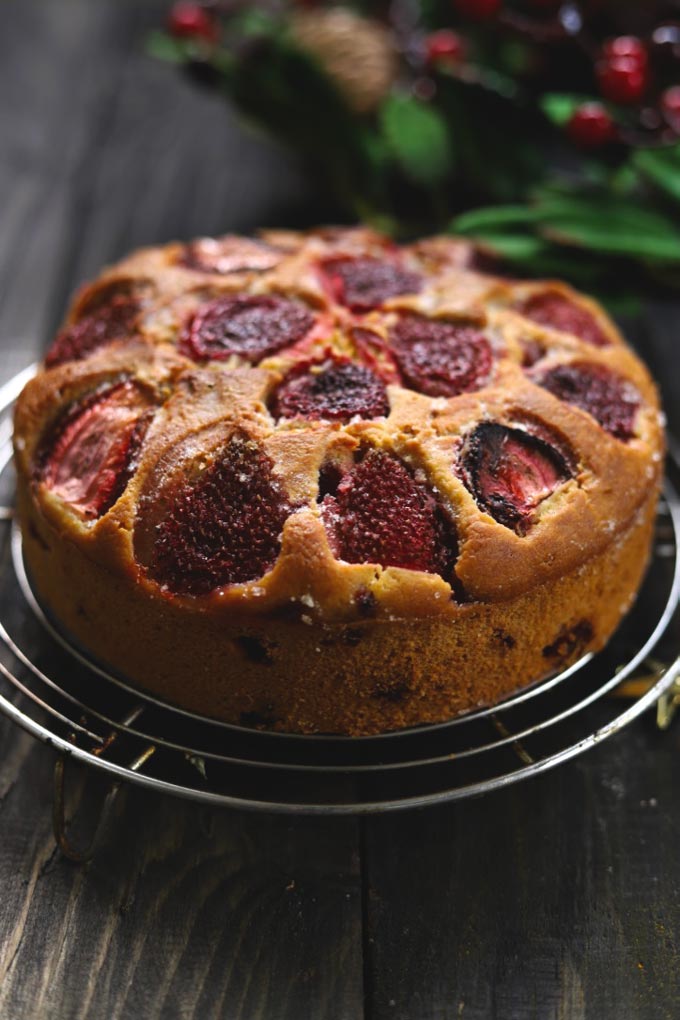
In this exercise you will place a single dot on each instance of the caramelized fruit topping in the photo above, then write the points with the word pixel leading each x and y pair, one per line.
pixel 378 512
pixel 111 319
pixel 612 401
pixel 440 358
pixel 331 390
pixel 223 526
pixel 552 309
pixel 509 472
pixel 88 461
pixel 362 283
pixel 252 327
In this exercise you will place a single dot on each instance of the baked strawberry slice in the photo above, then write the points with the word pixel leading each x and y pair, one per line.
pixel 249 326
pixel 336 389
pixel 510 472
pixel 222 526
pixel 552 309
pixel 230 254
pixel 363 283
pixel 89 460
pixel 611 400
pixel 112 319
pixel 378 512
pixel 440 358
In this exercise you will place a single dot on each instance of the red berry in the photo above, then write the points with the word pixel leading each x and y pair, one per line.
pixel 191 21
pixel 478 10
pixel 332 390
pixel 110 315
pixel 628 46
pixel 552 309
pixel 88 461
pixel 249 326
pixel 509 472
pixel 365 283
pixel 379 513
pixel 590 126
pixel 444 47
pixel 622 80
pixel 222 526
pixel 611 400
pixel 670 106
pixel 440 358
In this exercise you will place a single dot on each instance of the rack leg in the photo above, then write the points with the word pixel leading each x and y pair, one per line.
pixel 668 704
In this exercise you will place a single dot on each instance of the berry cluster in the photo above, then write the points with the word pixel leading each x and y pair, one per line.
pixel 635 78
pixel 559 114
pixel 193 21
pixel 629 74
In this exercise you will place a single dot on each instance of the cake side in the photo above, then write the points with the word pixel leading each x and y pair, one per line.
pixel 290 673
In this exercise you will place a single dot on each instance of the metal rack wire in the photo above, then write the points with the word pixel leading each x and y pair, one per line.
pixel 51 689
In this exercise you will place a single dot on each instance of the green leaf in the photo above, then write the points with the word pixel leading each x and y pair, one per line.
pixel 254 22
pixel 625 181
pixel 661 167
pixel 164 47
pixel 610 242
pixel 608 225
pixel 490 217
pixel 535 255
pixel 418 138
pixel 559 106
pixel 514 247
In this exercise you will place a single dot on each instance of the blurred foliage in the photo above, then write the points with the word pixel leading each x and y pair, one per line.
pixel 464 146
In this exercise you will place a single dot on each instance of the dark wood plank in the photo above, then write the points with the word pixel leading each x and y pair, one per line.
pixel 184 912
pixel 105 149
pixel 58 83
pixel 558 898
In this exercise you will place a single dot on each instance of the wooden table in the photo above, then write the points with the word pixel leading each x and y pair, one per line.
pixel 557 898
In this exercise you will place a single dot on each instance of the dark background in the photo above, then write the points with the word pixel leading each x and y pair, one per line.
pixel 557 899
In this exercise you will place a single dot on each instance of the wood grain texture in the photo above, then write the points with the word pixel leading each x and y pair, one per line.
pixel 555 900
pixel 184 913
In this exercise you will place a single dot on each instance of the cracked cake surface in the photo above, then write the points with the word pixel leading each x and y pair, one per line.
pixel 320 482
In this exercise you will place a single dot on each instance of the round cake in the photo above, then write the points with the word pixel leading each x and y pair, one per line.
pixel 321 483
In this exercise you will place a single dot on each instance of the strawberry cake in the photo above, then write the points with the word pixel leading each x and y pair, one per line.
pixel 321 483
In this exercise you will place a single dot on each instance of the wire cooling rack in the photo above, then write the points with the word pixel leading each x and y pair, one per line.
pixel 51 689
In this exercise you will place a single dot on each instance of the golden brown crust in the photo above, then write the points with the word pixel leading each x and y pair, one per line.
pixel 592 532
pixel 363 677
